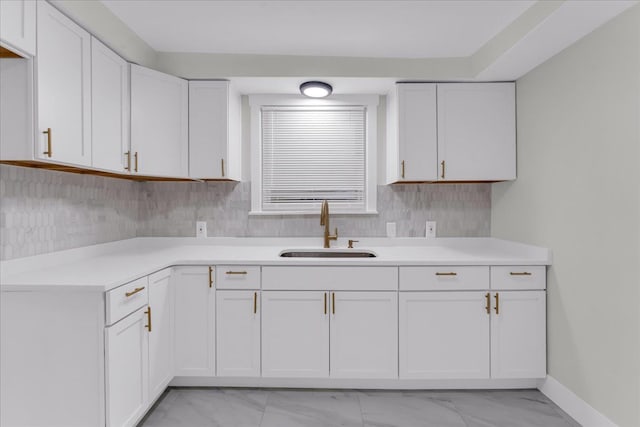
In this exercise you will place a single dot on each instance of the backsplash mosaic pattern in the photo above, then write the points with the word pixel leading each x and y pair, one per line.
pixel 43 211
pixel 171 209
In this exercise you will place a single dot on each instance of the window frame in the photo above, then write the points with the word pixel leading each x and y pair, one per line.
pixel 370 102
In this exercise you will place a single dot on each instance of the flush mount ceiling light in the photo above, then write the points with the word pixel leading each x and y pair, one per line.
pixel 316 89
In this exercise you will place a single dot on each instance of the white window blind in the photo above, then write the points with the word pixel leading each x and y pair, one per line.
pixel 310 154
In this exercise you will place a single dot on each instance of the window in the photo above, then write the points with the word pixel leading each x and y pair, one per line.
pixel 305 151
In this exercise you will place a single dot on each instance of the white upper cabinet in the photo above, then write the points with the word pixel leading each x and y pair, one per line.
pixel 214 131
pixel 18 26
pixel 451 132
pixel 477 131
pixel 109 109
pixel 63 70
pixel 159 123
pixel 412 138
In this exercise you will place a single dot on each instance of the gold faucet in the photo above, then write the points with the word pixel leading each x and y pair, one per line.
pixel 324 220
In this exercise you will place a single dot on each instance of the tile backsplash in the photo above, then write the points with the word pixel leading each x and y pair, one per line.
pixel 43 211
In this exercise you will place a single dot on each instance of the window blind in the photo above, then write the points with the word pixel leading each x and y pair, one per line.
pixel 310 154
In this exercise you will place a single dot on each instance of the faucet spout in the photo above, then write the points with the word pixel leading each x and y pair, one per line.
pixel 324 220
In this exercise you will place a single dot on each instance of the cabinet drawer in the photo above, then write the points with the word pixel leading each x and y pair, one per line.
pixel 519 277
pixel 237 277
pixel 330 278
pixel 126 299
pixel 443 278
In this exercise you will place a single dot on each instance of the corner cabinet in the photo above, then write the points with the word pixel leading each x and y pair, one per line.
pixel 159 123
pixel 451 132
pixel 18 26
pixel 214 131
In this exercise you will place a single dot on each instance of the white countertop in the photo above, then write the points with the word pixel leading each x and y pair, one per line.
pixel 106 266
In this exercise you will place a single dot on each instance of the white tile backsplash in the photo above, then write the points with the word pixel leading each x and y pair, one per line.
pixel 43 211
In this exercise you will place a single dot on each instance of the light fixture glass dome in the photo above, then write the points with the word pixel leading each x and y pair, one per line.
pixel 316 89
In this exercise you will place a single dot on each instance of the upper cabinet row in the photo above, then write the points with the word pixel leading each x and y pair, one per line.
pixel 451 132
pixel 78 103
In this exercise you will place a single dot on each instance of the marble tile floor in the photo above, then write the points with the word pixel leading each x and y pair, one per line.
pixel 245 407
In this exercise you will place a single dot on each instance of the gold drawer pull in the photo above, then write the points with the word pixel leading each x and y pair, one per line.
pixel 236 272
pixel 521 273
pixel 135 162
pixel 487 297
pixel 333 302
pixel 497 303
pixel 222 162
pixel 402 169
pixel 128 167
pixel 148 313
pixel 210 277
pixel 442 164
pixel 49 151
pixel 255 302
pixel 133 292
pixel 451 273
pixel 325 303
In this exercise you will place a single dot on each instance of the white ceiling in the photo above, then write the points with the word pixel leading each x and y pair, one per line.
pixel 381 29
pixel 476 40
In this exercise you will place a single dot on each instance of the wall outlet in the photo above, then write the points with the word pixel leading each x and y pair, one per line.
pixel 201 229
pixel 391 229
pixel 430 232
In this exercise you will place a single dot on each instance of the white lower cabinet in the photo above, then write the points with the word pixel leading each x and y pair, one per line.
pixel 364 335
pixel 238 333
pixel 518 334
pixel 160 333
pixel 295 334
pixel 194 321
pixel 444 335
pixel 127 351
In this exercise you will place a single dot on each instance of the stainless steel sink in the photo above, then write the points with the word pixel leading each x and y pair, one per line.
pixel 303 253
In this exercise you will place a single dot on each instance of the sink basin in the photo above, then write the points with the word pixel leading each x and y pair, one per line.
pixel 328 253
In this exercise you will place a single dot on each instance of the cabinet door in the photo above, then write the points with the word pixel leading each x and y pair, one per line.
pixel 295 334
pixel 417 132
pixel 518 334
pixel 476 131
pixel 109 108
pixel 208 129
pixel 18 26
pixel 364 334
pixel 159 123
pixel 238 333
pixel 127 369
pixel 63 65
pixel 160 332
pixel 194 322
pixel 444 335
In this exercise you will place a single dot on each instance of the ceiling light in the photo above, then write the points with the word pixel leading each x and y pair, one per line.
pixel 316 89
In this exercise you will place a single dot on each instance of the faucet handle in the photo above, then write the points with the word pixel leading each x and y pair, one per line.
pixel 351 242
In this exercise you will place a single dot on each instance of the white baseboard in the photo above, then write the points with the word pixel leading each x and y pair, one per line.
pixel 569 402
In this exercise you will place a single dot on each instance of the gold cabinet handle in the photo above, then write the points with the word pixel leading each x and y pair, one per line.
pixel 402 173
pixel 133 292
pixel 520 273
pixel 222 164
pixel 255 302
pixel 148 313
pixel 450 273
pixel 442 164
pixel 135 162
pixel 333 302
pixel 49 151
pixel 487 298
pixel 236 272
pixel 210 277
pixel 325 303
pixel 128 167
pixel 497 303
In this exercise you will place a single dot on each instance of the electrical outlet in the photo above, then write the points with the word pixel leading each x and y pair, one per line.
pixel 201 229
pixel 391 229
pixel 430 230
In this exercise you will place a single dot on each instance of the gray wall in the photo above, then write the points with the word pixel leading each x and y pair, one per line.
pixel 43 211
pixel 578 193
